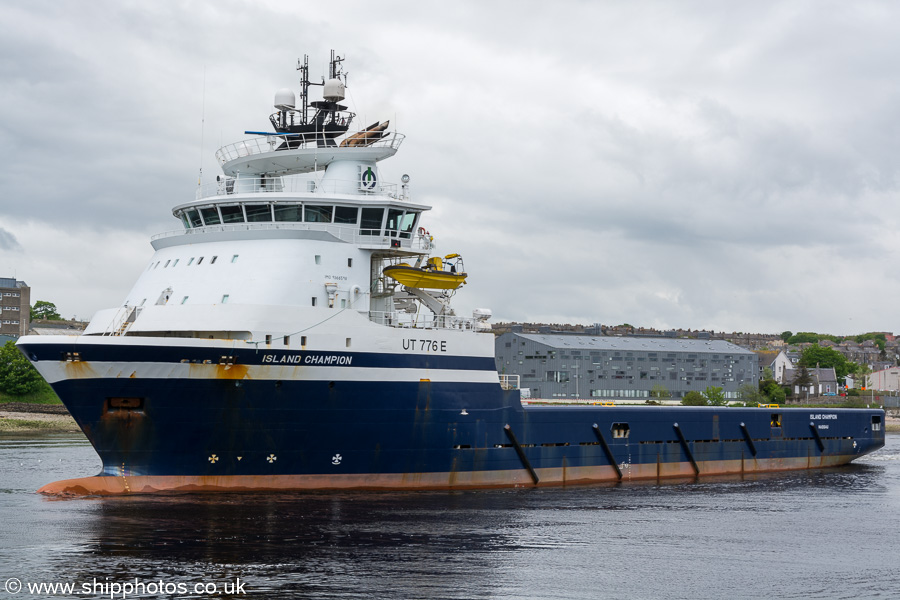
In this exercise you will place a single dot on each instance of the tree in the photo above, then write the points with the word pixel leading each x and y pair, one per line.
pixel 693 398
pixel 767 373
pixel 17 375
pixel 772 392
pixel 817 356
pixel 803 379
pixel 44 310
pixel 659 391
pixel 786 335
pixel 878 338
pixel 859 374
pixel 751 394
pixel 804 337
pixel 715 396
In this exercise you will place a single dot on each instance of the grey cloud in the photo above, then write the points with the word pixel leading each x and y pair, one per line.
pixel 607 165
pixel 9 242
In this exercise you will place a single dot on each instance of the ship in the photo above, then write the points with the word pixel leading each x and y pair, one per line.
pixel 297 332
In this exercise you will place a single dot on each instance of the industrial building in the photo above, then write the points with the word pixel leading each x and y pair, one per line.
pixel 15 307
pixel 596 366
pixel 886 380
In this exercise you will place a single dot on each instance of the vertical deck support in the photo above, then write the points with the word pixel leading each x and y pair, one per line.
pixel 748 439
pixel 819 441
pixel 521 453
pixel 607 450
pixel 687 449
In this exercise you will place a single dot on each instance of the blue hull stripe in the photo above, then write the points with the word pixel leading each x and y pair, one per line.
pixel 251 356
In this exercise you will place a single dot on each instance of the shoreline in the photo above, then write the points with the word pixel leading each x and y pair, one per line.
pixel 22 417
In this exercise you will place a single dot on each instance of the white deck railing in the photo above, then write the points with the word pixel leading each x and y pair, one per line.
pixel 346 233
pixel 509 382
pixel 295 186
pixel 423 320
pixel 271 143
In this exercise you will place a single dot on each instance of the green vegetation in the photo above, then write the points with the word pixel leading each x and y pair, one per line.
pixel 772 392
pixel 808 337
pixel 715 396
pixel 751 395
pixel 825 357
pixel 693 398
pixel 13 425
pixel 659 391
pixel 767 392
pixel 17 376
pixel 20 381
pixel 44 310
pixel 44 395
pixel 711 396
pixel 878 338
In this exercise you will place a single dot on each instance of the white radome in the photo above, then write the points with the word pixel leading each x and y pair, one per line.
pixel 334 90
pixel 285 99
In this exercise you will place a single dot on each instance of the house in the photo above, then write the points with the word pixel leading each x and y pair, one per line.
pixel 822 381
pixel 784 362
pixel 766 360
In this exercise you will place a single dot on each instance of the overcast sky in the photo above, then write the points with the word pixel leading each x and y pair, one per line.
pixel 706 165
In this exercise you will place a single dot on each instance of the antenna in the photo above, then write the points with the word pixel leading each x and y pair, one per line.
pixel 202 127
pixel 304 85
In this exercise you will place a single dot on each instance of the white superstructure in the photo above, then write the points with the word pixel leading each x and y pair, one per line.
pixel 297 229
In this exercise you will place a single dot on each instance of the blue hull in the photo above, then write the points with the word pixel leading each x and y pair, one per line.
pixel 244 433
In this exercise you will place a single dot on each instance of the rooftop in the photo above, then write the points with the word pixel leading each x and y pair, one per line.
pixel 642 344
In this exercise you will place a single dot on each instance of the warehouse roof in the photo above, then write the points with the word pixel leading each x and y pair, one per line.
pixel 634 344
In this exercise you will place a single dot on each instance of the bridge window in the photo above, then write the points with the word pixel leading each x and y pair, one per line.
pixel 346 214
pixel 370 222
pixel 393 221
pixel 289 213
pixel 258 213
pixel 317 214
pixel 232 214
pixel 210 215
pixel 194 218
pixel 407 223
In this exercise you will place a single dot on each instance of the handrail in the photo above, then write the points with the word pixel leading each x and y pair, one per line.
pixel 509 381
pixel 345 233
pixel 271 143
pixel 303 187
pixel 424 320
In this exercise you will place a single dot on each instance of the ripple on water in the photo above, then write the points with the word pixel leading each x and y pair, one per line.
pixel 817 534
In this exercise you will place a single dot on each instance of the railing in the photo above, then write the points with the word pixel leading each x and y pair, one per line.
pixel 424 320
pixel 295 186
pixel 272 143
pixel 509 382
pixel 348 233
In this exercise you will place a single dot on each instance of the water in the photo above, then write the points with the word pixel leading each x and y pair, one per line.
pixel 809 534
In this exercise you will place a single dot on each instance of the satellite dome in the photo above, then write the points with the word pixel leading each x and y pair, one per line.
pixel 285 99
pixel 334 90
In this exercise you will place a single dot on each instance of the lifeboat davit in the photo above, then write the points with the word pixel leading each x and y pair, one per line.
pixel 436 274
